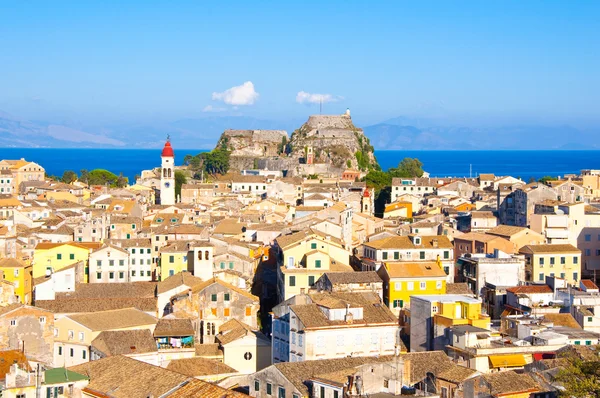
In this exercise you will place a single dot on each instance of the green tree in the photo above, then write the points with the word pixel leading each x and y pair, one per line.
pixel 580 378
pixel 84 176
pixel 546 179
pixel 102 177
pixel 187 159
pixel 215 161
pixel 69 176
pixel 180 179
pixel 408 168
pixel 282 148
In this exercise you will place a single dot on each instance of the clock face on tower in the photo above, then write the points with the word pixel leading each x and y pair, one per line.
pixel 167 184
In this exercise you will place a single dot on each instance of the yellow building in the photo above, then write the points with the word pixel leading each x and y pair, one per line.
pixel 305 256
pixel 432 315
pixel 173 259
pixel 559 260
pixel 404 279
pixel 22 171
pixel 19 274
pixel 398 209
pixel 56 256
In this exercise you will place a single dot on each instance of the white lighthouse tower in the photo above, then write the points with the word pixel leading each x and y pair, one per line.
pixel 167 175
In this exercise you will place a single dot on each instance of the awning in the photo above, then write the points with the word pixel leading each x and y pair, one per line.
pixel 507 361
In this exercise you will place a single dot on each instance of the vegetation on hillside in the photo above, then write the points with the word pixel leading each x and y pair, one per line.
pixel 213 162
pixel 382 180
pixel 580 378
pixel 180 179
pixel 102 177
pixel 546 179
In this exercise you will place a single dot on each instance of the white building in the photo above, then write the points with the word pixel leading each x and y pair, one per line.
pixel 333 325
pixel 109 264
pixel 141 267
pixel 167 175
pixel 499 269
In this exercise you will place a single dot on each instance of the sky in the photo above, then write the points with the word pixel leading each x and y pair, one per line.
pixel 480 61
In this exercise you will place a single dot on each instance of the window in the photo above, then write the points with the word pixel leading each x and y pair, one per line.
pixel 317 263
pixel 132 251
pixel 590 319
pixel 99 263
pixel 81 336
pixel 541 276
pixel 133 261
pixel 551 261
pixel 384 255
pixel 71 352
pixel 562 275
pixel 121 275
pixel 222 265
pixel 446 254
pixel 410 286
pixel 292 281
pixel 588 238
pixel 588 342
pixel 13 322
pixel 575 276
pixel 398 286
pixel 16 272
pixel 311 280
pixel 396 255
pixel 541 260
pixel 231 265
pixel 133 273
pixel 98 275
pixel 84 354
pixel 313 246
pixel 256 385
pixel 59 350
pixel 575 260
pixel 322 390
pixel 422 255
pixel 269 389
pixel 171 272
pixel 226 312
pixel 147 251
pixel 171 259
pixel 122 262
pixel 111 275
pixel 423 285
pixel 226 296
pixel 111 262
pixel 398 303
pixel 72 256
pixel 335 394
pixel 213 297
pixel 438 285
pixel 563 260
pixel 59 256
pixel 132 226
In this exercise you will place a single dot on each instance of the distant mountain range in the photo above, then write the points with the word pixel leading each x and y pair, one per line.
pixel 203 133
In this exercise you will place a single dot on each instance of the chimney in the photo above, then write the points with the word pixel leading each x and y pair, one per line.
pixel 349 318
pixel 434 243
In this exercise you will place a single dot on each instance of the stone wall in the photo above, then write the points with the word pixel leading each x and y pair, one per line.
pixel 253 142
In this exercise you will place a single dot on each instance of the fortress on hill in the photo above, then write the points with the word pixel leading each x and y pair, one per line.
pixel 325 144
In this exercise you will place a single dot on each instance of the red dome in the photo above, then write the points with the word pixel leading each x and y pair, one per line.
pixel 168 150
pixel 366 194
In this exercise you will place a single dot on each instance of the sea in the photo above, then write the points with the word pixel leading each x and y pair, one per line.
pixel 523 164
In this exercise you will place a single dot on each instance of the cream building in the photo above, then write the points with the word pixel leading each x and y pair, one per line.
pixel 560 260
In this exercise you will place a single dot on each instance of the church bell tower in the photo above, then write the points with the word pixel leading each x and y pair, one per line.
pixel 167 175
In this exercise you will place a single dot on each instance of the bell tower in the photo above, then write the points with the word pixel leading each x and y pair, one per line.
pixel 167 175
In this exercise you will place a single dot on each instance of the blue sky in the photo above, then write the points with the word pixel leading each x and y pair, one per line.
pixel 138 60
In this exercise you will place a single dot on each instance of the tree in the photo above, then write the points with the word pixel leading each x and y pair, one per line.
pixel 180 179
pixel 187 159
pixel 122 182
pixel 408 168
pixel 580 378
pixel 102 177
pixel 69 176
pixel 531 179
pixel 215 161
pixel 282 148
pixel 546 179
pixel 84 176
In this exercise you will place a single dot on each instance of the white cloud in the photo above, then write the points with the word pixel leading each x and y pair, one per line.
pixel 307 98
pixel 238 95
pixel 210 108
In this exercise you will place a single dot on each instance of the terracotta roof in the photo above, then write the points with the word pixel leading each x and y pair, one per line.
pixel 478 237
pixel 422 363
pixel 339 278
pixel 111 290
pixel 459 288
pixel 78 305
pixel 170 327
pixel 233 330
pixel 229 226
pixel 12 263
pixel 123 377
pixel 179 279
pixel 561 319
pixel 530 289
pixel 10 357
pixel 82 245
pixel 424 269
pixel 589 284
pixel 510 382
pixel 200 389
pixel 506 230
pixel 178 246
pixel 208 350
pixel 123 342
pixel 127 243
pixel 404 242
pixel 456 374
pixel 374 312
pixel 194 367
pixel 114 319
pixel 550 249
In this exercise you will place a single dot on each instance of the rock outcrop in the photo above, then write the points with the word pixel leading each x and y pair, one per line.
pixel 334 140
pixel 253 143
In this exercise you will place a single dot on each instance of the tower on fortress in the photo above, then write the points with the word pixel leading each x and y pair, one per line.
pixel 167 175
